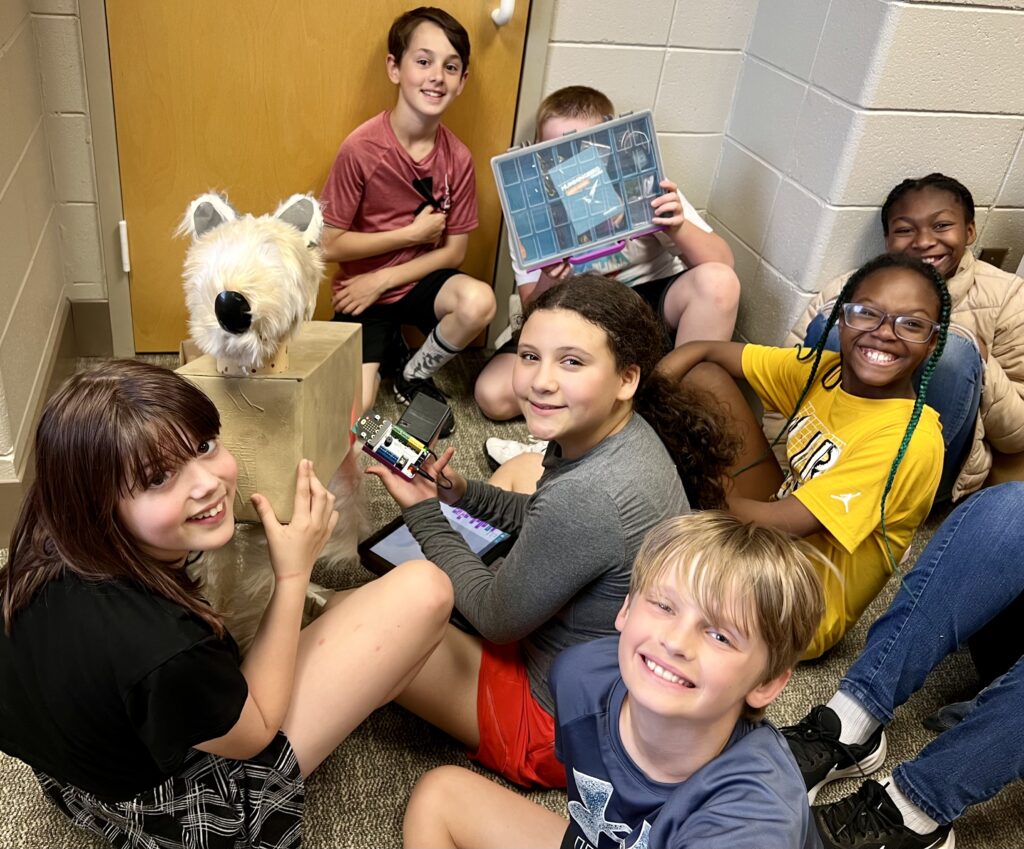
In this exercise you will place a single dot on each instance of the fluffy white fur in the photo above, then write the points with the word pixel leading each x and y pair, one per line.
pixel 274 265
pixel 237 579
pixel 274 262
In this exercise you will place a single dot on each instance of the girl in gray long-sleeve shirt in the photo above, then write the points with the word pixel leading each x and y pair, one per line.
pixel 624 443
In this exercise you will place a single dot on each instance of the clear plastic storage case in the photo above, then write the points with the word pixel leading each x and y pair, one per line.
pixel 583 195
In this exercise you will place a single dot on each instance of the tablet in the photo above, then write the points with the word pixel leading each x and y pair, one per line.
pixel 394 543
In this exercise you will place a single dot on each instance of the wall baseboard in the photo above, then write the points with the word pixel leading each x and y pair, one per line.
pixel 91 321
pixel 59 366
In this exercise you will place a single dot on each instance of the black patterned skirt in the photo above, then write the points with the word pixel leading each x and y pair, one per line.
pixel 211 801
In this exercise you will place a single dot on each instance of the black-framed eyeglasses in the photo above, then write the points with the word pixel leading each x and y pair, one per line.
pixel 909 328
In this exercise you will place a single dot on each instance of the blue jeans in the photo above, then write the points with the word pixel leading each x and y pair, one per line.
pixel 954 393
pixel 970 571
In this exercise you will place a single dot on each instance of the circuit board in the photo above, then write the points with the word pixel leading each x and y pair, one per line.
pixel 388 443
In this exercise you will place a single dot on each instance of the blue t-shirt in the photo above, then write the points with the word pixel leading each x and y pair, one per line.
pixel 751 796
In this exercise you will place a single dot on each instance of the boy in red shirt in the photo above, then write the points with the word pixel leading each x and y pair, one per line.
pixel 399 204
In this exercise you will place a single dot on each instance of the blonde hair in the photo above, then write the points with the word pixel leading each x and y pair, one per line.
pixel 574 101
pixel 763 581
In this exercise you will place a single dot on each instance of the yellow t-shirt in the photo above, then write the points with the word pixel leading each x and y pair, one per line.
pixel 840 449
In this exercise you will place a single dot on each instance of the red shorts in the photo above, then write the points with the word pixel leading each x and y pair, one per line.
pixel 517 736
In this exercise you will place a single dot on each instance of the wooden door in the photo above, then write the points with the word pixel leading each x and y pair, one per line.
pixel 253 98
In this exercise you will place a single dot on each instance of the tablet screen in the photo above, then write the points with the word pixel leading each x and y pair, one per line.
pixel 399 545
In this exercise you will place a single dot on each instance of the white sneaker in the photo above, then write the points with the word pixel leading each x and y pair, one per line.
pixel 515 319
pixel 500 451
pixel 503 337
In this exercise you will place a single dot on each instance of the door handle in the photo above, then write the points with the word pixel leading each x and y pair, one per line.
pixel 503 14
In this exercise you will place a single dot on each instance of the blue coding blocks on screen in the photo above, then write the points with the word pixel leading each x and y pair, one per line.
pixel 583 193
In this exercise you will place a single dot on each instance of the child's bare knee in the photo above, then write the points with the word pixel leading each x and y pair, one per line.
pixel 718 282
pixel 495 400
pixel 429 586
pixel 434 786
pixel 429 803
pixel 476 305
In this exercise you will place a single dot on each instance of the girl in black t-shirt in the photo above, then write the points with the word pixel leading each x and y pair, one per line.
pixel 119 685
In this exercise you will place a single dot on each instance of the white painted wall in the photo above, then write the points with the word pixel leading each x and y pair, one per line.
pixel 680 58
pixel 32 300
pixel 58 35
pixel 839 100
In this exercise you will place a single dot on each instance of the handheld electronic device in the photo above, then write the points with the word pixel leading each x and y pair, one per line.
pixel 390 444
pixel 394 543
pixel 425 418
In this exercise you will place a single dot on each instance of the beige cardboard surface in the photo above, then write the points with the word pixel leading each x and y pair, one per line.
pixel 271 421
pixel 188 351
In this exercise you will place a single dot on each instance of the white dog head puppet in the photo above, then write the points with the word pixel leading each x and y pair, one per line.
pixel 250 282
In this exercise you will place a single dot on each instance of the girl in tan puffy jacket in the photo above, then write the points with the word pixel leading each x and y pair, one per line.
pixel 978 386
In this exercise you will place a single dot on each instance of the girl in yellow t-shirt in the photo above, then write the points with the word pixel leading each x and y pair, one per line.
pixel 864 453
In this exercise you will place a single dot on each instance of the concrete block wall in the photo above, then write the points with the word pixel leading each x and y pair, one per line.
pixel 680 58
pixel 837 101
pixel 31 274
pixel 57 28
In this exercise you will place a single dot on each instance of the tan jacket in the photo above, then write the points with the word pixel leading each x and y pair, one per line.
pixel 988 307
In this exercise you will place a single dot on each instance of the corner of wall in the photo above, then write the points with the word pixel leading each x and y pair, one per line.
pixel 837 102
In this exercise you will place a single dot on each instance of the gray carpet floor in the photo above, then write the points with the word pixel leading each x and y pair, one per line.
pixel 357 797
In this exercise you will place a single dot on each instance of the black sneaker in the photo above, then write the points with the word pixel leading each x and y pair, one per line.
pixel 868 819
pixel 406 389
pixel 395 358
pixel 815 744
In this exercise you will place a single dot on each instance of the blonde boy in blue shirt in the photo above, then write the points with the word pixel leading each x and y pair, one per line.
pixel 660 728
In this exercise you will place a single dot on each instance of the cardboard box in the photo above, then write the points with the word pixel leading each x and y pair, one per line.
pixel 188 351
pixel 271 421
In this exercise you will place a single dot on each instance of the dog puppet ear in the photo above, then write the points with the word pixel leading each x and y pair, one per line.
pixel 204 213
pixel 303 213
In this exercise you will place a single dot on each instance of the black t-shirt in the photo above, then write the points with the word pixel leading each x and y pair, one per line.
pixel 106 685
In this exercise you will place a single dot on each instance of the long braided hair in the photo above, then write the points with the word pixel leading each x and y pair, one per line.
pixel 833 376
pixel 686 421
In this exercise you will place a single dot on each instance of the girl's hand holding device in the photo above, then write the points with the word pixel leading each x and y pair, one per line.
pixel 409 492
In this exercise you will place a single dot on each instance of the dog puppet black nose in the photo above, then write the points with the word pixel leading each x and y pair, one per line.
pixel 233 312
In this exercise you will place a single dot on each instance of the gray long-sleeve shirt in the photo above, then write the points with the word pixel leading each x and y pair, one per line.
pixel 565 577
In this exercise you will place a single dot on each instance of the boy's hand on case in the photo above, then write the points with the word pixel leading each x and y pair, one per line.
pixel 559 271
pixel 360 292
pixel 427 227
pixel 668 211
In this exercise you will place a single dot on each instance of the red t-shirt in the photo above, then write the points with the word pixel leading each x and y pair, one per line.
pixel 372 188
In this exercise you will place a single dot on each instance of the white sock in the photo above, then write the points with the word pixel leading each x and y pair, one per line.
pixel 433 354
pixel 857 723
pixel 913 817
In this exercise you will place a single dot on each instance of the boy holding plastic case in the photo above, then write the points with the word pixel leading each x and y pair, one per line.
pixel 685 272
pixel 659 728
pixel 399 204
